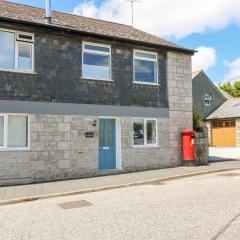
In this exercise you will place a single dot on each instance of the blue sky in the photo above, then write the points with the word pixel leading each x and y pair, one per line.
pixel 214 28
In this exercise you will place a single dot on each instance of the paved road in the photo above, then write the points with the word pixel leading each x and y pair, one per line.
pixel 218 153
pixel 204 207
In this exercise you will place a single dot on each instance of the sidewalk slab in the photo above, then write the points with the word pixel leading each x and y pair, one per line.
pixel 13 194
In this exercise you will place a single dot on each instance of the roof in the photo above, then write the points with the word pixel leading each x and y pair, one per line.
pixel 195 73
pixel 225 94
pixel 229 109
pixel 33 15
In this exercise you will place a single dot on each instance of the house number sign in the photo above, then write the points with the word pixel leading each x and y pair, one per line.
pixel 89 134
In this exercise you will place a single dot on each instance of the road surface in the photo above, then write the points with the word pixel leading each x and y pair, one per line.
pixel 203 207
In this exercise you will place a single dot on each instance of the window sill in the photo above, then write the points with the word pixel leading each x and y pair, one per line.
pixel 97 79
pixel 14 149
pixel 148 84
pixel 145 146
pixel 17 71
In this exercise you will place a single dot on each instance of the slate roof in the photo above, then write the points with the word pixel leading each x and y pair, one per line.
pixel 229 109
pixel 225 94
pixel 33 15
pixel 195 73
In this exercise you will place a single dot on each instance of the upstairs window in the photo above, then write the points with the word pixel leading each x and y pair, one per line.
pixel 145 67
pixel 16 51
pixel 207 98
pixel 96 61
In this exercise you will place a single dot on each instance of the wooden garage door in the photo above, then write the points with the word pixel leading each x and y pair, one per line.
pixel 224 133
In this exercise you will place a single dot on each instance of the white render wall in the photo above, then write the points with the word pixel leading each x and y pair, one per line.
pixel 238 132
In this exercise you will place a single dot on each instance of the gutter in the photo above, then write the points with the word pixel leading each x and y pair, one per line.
pixel 71 29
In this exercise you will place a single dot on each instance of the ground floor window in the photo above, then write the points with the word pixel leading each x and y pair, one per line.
pixel 13 131
pixel 144 132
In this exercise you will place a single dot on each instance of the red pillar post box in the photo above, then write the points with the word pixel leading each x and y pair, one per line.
pixel 188 140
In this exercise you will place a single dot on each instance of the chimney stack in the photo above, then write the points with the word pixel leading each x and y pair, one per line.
pixel 48 16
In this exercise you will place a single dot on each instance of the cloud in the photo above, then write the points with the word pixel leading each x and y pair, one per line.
pixel 234 70
pixel 204 59
pixel 166 18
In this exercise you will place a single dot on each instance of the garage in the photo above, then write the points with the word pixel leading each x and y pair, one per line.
pixel 224 133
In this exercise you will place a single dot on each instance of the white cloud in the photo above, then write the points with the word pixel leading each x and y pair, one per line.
pixel 234 70
pixel 204 59
pixel 167 18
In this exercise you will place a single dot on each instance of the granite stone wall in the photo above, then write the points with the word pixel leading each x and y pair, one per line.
pixel 202 147
pixel 179 74
pixel 60 150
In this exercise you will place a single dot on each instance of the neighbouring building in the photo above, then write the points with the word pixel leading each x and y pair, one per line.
pixel 224 124
pixel 81 97
pixel 220 111
pixel 206 95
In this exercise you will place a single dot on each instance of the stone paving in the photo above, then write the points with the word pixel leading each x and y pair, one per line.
pixel 221 153
pixel 203 208
pixel 25 191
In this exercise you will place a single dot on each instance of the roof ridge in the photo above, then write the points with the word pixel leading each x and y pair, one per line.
pixel 33 14
pixel 71 14
pixel 95 19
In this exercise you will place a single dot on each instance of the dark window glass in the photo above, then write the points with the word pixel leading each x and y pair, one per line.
pixel 97 48
pixel 96 66
pixel 7 50
pixel 138 132
pixel 151 132
pixel 145 71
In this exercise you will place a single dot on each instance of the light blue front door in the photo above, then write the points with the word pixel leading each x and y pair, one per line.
pixel 107 144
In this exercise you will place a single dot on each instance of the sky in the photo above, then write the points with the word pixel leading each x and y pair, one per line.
pixel 210 27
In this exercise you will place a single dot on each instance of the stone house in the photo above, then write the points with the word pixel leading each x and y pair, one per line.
pixel 206 95
pixel 81 97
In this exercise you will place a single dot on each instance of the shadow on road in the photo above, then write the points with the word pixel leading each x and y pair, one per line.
pixel 213 159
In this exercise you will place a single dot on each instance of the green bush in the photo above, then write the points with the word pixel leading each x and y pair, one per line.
pixel 197 120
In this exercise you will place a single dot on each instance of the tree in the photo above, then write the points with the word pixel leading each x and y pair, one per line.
pixel 232 89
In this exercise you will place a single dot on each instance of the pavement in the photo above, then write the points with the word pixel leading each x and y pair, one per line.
pixel 221 153
pixel 23 193
pixel 203 207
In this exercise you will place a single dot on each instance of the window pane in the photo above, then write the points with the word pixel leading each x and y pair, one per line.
pixel 151 132
pixel 138 134
pixel 7 42
pixel 1 130
pixel 96 48
pixel 24 57
pixel 145 71
pixel 96 66
pixel 145 55
pixel 110 133
pixel 17 131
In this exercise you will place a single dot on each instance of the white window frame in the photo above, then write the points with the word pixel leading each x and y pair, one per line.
pixel 16 46
pixel 98 53
pixel 145 145
pixel 207 98
pixel 145 59
pixel 5 136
